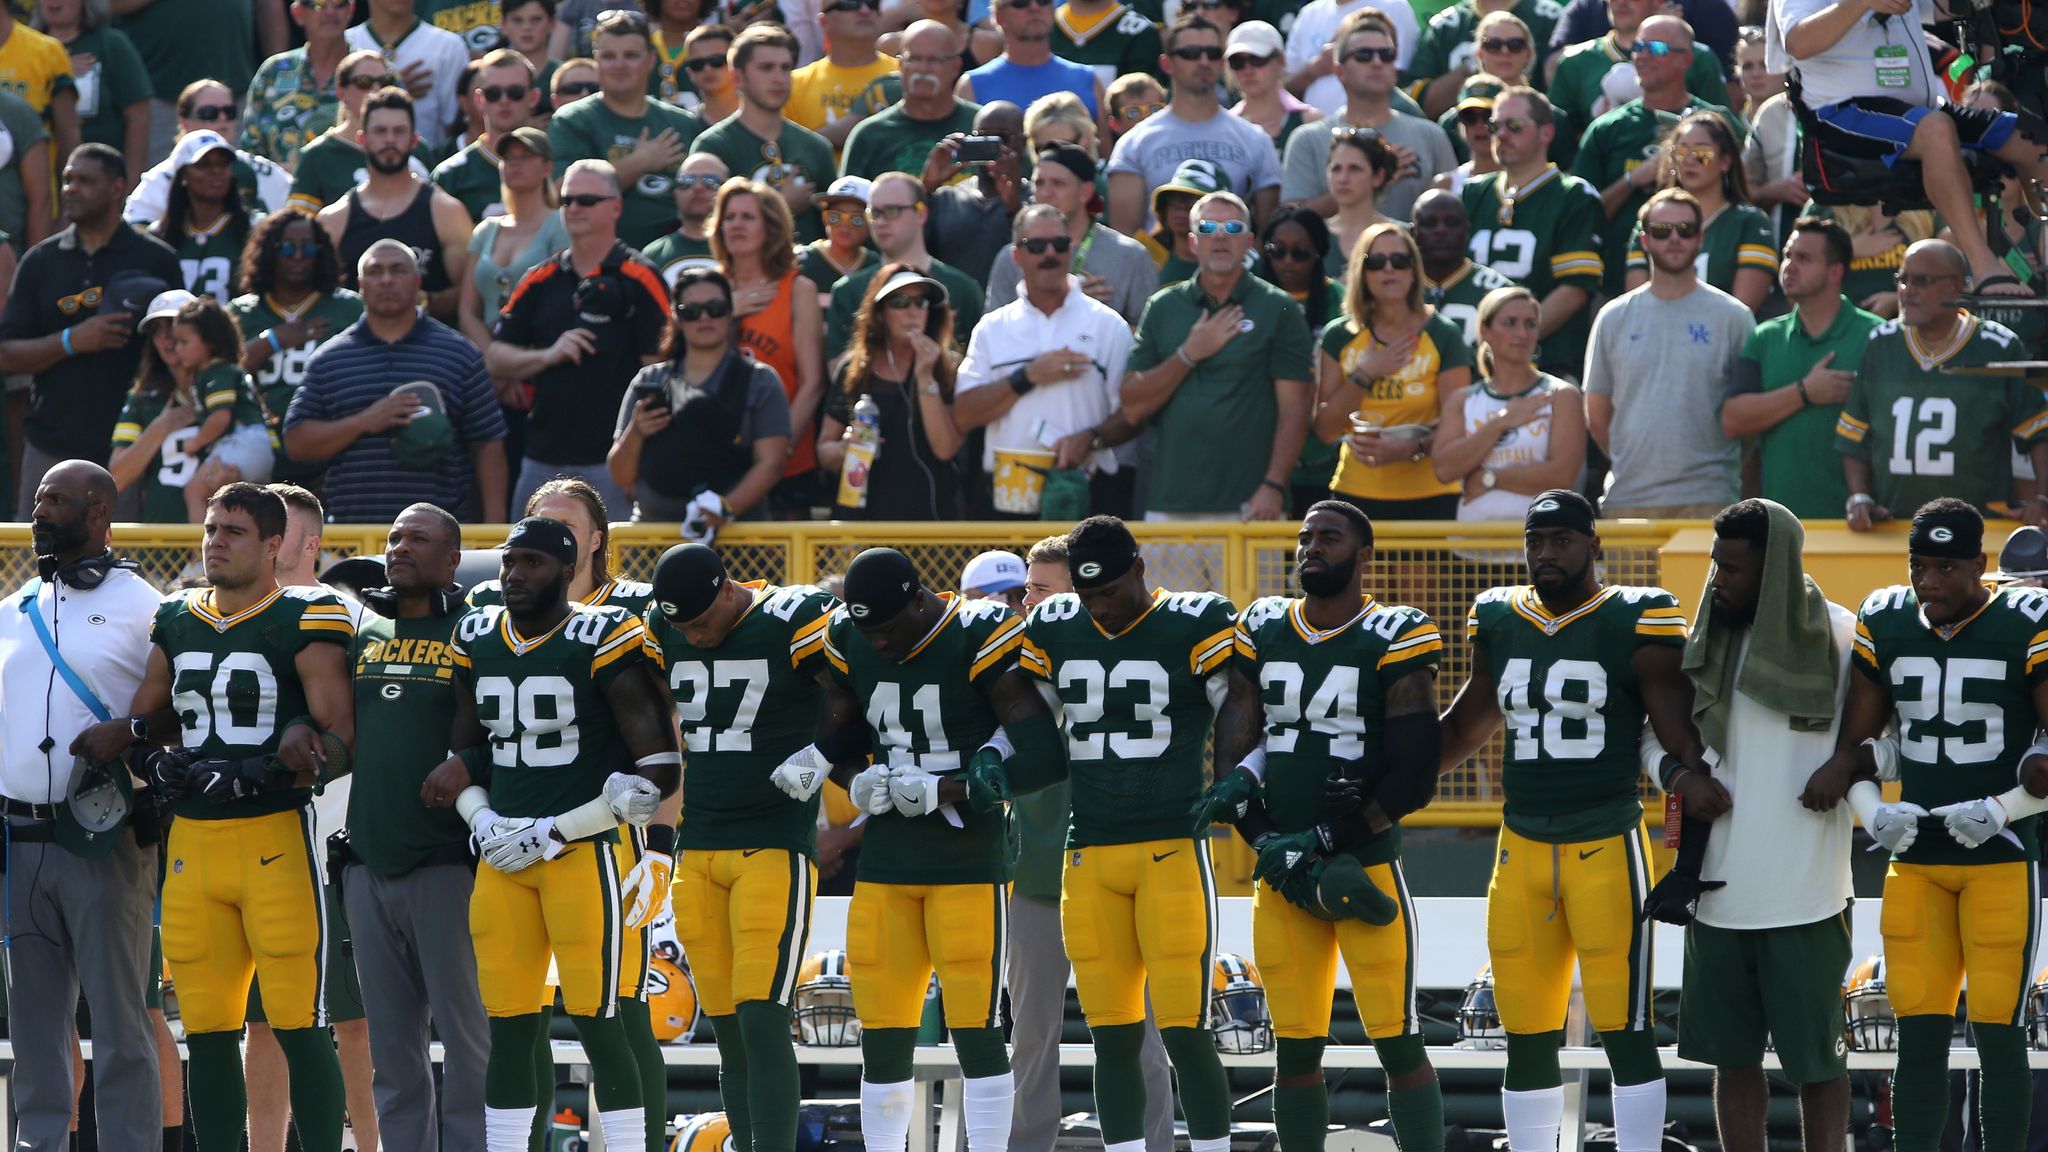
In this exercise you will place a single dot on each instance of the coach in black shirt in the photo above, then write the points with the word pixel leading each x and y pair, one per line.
pixel 64 327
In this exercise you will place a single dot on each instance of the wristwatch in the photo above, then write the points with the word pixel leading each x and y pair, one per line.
pixel 1856 499
pixel 138 728
pixel 1488 479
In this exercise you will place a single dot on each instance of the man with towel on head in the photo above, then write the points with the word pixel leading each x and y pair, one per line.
pixel 1768 657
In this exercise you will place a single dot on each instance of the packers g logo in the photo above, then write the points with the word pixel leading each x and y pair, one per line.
pixel 669 608
pixel 391 691
pixel 1941 535
pixel 1089 570
pixel 1546 505
pixel 860 611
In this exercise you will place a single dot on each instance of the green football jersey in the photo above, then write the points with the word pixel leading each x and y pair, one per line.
pixel 224 386
pixel 542 702
pixel 329 166
pixel 1612 146
pixel 163 483
pixel 746 706
pixel 1325 698
pixel 1446 41
pixel 1119 42
pixel 1929 433
pixel 589 129
pixel 213 263
pixel 796 154
pixel 617 592
pixel 405 700
pixel 675 252
pixel 1739 236
pixel 1964 697
pixel 1572 705
pixel 1138 709
pixel 932 710
pixel 280 379
pixel 471 176
pixel 1457 298
pixel 814 265
pixel 1576 92
pixel 1546 234
pixel 235 679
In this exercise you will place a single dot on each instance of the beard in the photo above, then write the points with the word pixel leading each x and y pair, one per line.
pixel 544 596
pixel 55 539
pixel 1331 581
pixel 379 164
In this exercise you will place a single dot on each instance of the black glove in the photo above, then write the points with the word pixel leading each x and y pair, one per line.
pixel 1676 898
pixel 1341 797
pixel 220 781
pixel 168 771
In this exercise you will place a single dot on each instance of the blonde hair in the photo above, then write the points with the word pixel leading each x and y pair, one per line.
pixel 1057 109
pixel 1358 302
pixel 778 227
pixel 1489 307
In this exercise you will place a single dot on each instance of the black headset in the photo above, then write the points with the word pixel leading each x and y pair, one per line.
pixel 85 573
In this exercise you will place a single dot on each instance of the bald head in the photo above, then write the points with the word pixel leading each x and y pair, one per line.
pixel 930 38
pixel 1937 257
pixel 388 253
pixel 1667 29
pixel 74 506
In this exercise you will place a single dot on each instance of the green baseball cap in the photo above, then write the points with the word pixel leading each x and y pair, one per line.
pixel 420 444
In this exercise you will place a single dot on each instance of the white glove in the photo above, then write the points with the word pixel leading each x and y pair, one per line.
pixel 521 842
pixel 646 888
pixel 914 791
pixel 634 799
pixel 803 774
pixel 1972 822
pixel 702 517
pixel 1896 826
pixel 870 791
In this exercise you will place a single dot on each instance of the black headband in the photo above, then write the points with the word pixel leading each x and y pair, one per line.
pixel 544 535
pixel 1559 508
pixel 1094 567
pixel 1947 533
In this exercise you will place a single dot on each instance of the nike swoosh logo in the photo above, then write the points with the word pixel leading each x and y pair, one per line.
pixel 267 860
pixel 1164 855
pixel 1594 852
pixel 744 852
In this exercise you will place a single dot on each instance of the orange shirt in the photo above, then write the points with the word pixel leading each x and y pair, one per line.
pixel 769 336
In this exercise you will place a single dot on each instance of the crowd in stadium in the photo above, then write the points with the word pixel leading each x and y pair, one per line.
pixel 275 265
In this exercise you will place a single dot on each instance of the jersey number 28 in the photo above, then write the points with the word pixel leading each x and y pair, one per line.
pixel 532 723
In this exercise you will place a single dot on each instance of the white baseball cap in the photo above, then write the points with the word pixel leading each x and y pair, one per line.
pixel 167 304
pixel 1255 37
pixel 993 572
pixel 853 188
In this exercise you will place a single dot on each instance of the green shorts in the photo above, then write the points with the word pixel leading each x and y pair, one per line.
pixel 1742 985
pixel 341 990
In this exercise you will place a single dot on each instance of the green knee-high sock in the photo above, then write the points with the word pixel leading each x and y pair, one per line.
pixel 1301 1103
pixel 1417 1112
pixel 544 1080
pixel 772 1086
pixel 1632 1055
pixel 1920 1086
pixel 981 1051
pixel 317 1096
pixel 1119 1081
pixel 734 1078
pixel 1532 1061
pixel 1198 1076
pixel 220 1099
pixel 614 1074
pixel 2005 1094
pixel 639 1022
pixel 508 1077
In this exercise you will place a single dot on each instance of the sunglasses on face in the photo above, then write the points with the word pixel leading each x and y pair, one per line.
pixel 574 91
pixel 1664 230
pixel 1655 48
pixel 1353 132
pixel 1244 60
pixel 293 249
pixel 907 301
pixel 1504 44
pixel 1368 55
pixel 326 5
pixel 850 219
pixel 1020 5
pixel 1287 252
pixel 697 180
pixel 692 312
pixel 1508 125
pixel 1210 52
pixel 702 62
pixel 512 92
pixel 586 200
pixel 214 113
pixel 363 83
pixel 1381 261
pixel 1227 227
pixel 1474 117
pixel 1038 245
pixel 855 6
pixel 1132 113
pixel 1700 154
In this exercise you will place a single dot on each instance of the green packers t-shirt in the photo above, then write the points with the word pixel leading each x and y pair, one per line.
pixel 590 130
pixel 163 479
pixel 405 695
pixel 471 176
pixel 675 252
pixel 890 141
pixel 1799 470
pixel 1613 146
pixel 797 154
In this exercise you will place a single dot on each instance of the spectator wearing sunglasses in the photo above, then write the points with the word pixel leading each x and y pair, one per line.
pixel 1312 48
pixel 1193 125
pixel 901 137
pixel 706 418
pixel 1292 252
pixel 295 95
pixel 334 161
pixel 1035 64
pixel 759 141
pixel 844 250
pixel 292 301
pixel 572 80
pixel 897 207
pixel 1258 65
pixel 1715 25
pixel 1113 268
pixel 1221 358
pixel 1579 85
pixel 205 222
pixel 851 81
pixel 1132 97
pixel 1041 373
pixel 1468 126
pixel 901 353
pixel 428 61
pixel 1366 58
pixel 1617 150
pixel 1656 370
pixel 654 136
pixel 689 246
pixel 1702 157
pixel 208 106
pixel 506 94
pixel 1451 49
pixel 705 67
pixel 395 203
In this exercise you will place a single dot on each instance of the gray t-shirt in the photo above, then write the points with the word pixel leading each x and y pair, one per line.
pixel 1156 147
pixel 1115 257
pixel 1664 363
pixel 1308 153
pixel 970 226
pixel 1878 56
pixel 767 414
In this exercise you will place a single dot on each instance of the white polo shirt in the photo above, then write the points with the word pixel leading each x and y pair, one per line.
pixel 104 636
pixel 1017 333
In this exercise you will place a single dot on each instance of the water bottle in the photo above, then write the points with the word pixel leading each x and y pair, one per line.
pixel 567 1133
pixel 863 436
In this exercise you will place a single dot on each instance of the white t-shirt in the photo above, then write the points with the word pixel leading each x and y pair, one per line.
pixel 104 636
pixel 1014 335
pixel 1316 25
pixel 443 54
pixel 1878 56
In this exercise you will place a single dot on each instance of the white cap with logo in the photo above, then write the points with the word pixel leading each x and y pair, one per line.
pixel 993 572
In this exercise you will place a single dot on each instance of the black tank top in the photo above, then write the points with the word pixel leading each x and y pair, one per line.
pixel 413 227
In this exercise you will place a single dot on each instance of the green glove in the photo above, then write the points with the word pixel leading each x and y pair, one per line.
pixel 988 781
pixel 1283 855
pixel 1225 801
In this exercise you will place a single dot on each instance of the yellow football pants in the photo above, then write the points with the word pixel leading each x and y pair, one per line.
pixel 1943 920
pixel 1297 954
pixel 1552 904
pixel 1134 914
pixel 567 907
pixel 897 935
pixel 744 918
pixel 243 897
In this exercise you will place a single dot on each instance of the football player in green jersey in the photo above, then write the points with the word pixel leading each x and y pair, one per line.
pixel 1352 742
pixel 1143 675
pixel 934 679
pixel 252 681
pixel 742 661
pixel 1576 669
pixel 546 690
pixel 1917 424
pixel 1963 669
